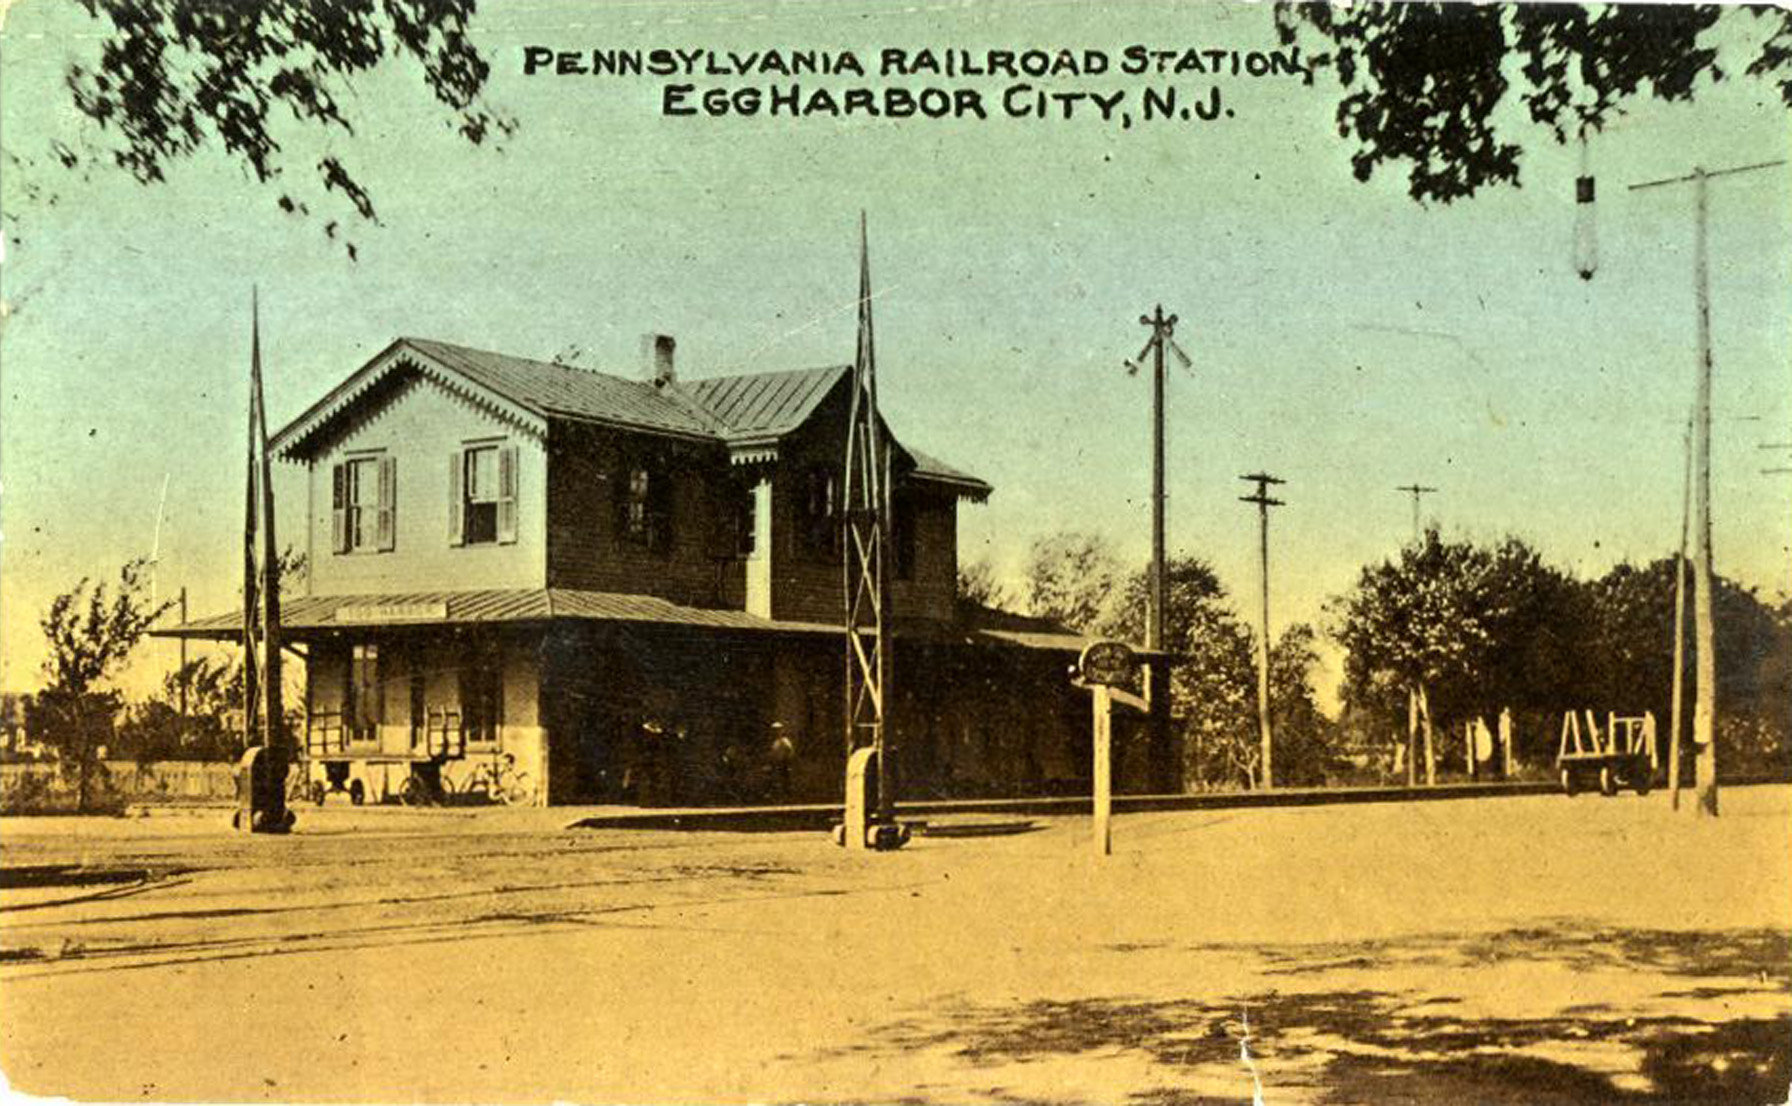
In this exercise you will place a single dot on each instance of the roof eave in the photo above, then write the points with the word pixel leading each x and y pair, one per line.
pixel 292 441
pixel 967 488
pixel 559 415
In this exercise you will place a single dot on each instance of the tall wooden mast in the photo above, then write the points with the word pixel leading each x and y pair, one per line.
pixel 866 517
pixel 273 714
pixel 264 735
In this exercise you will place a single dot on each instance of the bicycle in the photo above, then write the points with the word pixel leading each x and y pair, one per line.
pixel 500 783
pixel 497 783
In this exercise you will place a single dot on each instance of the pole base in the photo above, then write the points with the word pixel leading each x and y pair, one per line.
pixel 261 795
pixel 880 837
pixel 264 821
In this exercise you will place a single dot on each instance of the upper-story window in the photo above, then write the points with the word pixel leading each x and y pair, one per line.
pixel 363 504
pixel 821 513
pixel 644 506
pixel 482 494
pixel 744 503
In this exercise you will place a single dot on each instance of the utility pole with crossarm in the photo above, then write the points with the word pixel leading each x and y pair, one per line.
pixel 1415 490
pixel 1263 501
pixel 1704 708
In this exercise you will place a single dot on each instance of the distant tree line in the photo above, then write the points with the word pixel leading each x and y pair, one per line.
pixel 1484 627
pixel 1487 627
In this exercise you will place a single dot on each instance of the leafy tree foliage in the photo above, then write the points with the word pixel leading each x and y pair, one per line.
pixel 1425 83
pixel 1481 627
pixel 1305 739
pixel 977 585
pixel 175 76
pixel 1071 579
pixel 1213 686
pixel 206 729
pixel 90 629
pixel 1491 627
pixel 1629 646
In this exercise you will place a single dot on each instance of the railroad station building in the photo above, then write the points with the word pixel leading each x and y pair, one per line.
pixel 630 589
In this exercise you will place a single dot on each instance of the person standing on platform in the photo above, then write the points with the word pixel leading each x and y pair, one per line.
pixel 782 755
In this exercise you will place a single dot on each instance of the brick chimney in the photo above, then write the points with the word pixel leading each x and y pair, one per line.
pixel 657 356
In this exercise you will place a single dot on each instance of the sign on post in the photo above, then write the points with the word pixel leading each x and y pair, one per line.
pixel 1102 665
pixel 1107 663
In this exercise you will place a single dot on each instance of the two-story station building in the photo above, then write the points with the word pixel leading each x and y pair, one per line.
pixel 630 590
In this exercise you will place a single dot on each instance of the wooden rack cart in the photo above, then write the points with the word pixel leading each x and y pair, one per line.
pixel 1621 755
pixel 332 764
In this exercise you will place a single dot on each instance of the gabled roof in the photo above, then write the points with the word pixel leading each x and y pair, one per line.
pixel 517 388
pixel 749 409
pixel 549 389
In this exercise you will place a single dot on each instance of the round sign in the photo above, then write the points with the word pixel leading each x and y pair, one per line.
pixel 1107 662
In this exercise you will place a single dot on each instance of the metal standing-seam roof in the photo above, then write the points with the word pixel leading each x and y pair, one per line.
pixel 767 404
pixel 750 409
pixel 443 608
pixel 550 389
pixel 537 605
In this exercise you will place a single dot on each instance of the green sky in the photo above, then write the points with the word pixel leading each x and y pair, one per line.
pixel 1343 336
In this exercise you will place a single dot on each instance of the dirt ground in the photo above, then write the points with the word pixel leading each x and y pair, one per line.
pixel 1517 950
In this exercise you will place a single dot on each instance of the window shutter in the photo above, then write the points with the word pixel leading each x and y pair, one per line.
pixel 386 521
pixel 507 495
pixel 457 498
pixel 339 508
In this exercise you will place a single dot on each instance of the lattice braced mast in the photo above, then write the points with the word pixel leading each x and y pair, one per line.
pixel 866 515
pixel 263 707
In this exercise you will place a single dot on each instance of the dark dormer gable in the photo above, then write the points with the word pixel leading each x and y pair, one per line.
pixel 761 408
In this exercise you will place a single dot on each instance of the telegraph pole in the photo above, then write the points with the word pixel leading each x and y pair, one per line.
pixel 1704 708
pixel 1418 706
pixel 1163 330
pixel 1163 327
pixel 1263 501
pixel 1416 490
pixel 1677 702
pixel 185 677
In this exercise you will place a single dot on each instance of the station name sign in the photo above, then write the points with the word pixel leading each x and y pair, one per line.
pixel 1107 662
pixel 365 613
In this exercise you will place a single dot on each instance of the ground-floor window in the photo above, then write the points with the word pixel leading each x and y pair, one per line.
pixel 481 694
pixel 361 694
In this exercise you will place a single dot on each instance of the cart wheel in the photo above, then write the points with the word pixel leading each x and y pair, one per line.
pixel 414 792
pixel 1643 781
pixel 1608 781
pixel 357 793
pixel 1568 787
pixel 318 791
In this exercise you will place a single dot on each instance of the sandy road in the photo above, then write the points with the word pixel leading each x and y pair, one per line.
pixel 1518 950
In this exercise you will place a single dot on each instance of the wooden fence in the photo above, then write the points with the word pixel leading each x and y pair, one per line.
pixel 29 787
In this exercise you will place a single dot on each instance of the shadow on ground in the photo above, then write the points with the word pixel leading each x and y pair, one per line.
pixel 1762 954
pixel 1379 1046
